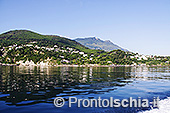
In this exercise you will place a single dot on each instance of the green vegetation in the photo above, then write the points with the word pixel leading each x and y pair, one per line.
pixel 21 37
pixel 20 46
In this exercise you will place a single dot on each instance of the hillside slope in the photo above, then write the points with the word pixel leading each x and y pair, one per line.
pixel 96 43
pixel 24 36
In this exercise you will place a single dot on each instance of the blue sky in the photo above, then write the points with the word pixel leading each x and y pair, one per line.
pixel 139 25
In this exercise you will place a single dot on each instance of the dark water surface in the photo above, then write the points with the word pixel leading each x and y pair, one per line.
pixel 33 89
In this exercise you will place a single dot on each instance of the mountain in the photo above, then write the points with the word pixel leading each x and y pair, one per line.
pixel 96 43
pixel 26 48
pixel 24 37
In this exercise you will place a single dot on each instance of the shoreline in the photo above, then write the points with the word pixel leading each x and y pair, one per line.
pixel 69 65
pixel 87 65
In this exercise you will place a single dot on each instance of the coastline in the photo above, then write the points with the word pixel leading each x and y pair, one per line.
pixel 69 65
pixel 87 65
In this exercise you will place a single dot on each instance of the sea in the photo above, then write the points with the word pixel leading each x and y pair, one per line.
pixel 32 89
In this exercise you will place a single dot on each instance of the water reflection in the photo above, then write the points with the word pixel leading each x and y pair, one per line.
pixel 22 86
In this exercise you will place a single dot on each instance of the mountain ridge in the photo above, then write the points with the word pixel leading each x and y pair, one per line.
pixel 25 48
pixel 25 36
pixel 97 43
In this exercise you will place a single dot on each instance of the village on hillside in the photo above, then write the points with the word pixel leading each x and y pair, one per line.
pixel 32 54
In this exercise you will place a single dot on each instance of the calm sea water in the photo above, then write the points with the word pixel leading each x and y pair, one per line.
pixel 33 89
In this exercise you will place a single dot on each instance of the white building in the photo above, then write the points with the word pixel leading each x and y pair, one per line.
pixel 81 53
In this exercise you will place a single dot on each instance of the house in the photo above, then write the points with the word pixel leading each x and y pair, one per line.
pixel 61 56
pixel 81 53
pixel 55 46
pixel 85 55
pixel 66 61
pixel 29 45
pixel 75 52
pixel 91 58
pixel 43 47
pixel 110 62
pixel 132 57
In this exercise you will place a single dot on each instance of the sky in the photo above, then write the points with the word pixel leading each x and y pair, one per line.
pixel 141 26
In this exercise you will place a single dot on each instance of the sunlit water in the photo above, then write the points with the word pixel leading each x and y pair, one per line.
pixel 33 89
